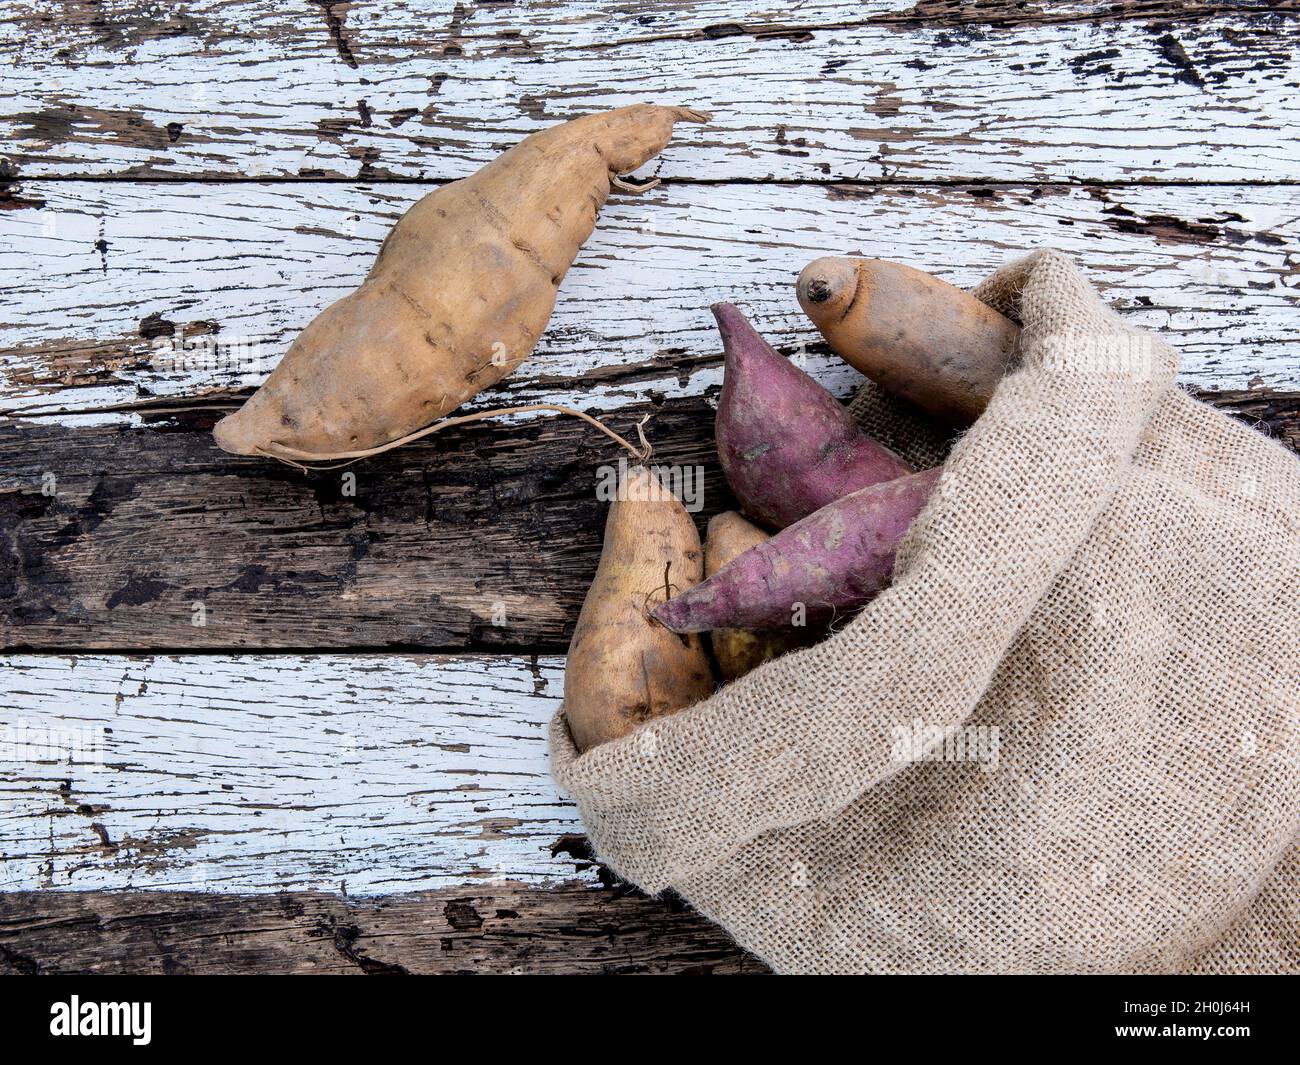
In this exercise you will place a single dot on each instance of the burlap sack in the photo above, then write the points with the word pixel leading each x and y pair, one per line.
pixel 1093 625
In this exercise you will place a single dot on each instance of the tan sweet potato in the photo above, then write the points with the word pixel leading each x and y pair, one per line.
pixel 624 668
pixel 737 651
pixel 919 337
pixel 460 293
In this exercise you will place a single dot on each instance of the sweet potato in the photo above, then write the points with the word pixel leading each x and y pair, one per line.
pixel 737 651
pixel 623 667
pixel 832 562
pixel 460 293
pixel 911 333
pixel 787 446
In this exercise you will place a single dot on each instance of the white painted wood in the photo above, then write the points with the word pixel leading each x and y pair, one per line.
pixel 250 90
pixel 47 25
pixel 357 774
pixel 573 23
pixel 261 260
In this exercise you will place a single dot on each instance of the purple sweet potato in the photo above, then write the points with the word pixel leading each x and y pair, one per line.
pixel 832 562
pixel 787 446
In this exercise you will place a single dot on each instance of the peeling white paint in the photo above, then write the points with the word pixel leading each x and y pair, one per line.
pixel 256 93
pixel 360 774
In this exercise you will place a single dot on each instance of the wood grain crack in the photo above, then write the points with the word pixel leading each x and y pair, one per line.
pixel 334 23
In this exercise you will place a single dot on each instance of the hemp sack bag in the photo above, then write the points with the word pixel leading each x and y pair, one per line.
pixel 1106 581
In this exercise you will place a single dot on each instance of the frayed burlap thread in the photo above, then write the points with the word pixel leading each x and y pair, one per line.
pixel 1100 603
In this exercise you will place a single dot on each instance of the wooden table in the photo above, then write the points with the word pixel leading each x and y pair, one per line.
pixel 258 720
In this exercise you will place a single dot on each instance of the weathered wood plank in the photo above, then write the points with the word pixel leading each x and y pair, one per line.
pixel 498 929
pixel 393 90
pixel 485 536
pixel 37 27
pixel 359 774
pixel 95 281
